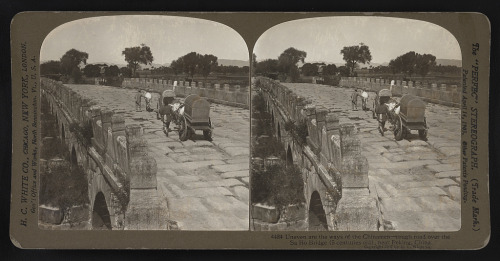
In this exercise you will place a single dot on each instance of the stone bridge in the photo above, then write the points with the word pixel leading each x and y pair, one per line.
pixel 416 183
pixel 140 178
pixel 121 175
pixel 335 173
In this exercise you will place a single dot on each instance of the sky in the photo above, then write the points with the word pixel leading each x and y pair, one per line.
pixel 169 37
pixel 323 38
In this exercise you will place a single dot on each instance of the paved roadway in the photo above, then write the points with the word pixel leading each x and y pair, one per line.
pixel 417 182
pixel 205 183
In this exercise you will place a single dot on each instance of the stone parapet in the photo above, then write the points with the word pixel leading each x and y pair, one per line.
pixel 336 146
pixel 232 95
pixel 444 94
pixel 333 153
pixel 119 150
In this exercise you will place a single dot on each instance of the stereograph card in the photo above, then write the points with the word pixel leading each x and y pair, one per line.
pixel 186 130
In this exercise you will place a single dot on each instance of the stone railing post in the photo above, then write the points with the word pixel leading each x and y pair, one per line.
pixel 106 116
pixel 354 167
pixel 321 114
pixel 142 167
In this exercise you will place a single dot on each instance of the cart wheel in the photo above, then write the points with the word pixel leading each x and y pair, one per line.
pixel 399 131
pixel 208 133
pixel 183 130
pixel 423 133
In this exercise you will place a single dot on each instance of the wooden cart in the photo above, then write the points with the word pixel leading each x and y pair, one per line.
pixel 166 98
pixel 383 96
pixel 411 117
pixel 195 116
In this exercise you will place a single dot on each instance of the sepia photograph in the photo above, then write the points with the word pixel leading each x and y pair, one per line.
pixel 356 126
pixel 145 125
pixel 250 130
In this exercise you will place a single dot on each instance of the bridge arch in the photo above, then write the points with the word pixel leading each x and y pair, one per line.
pixel 101 219
pixel 317 216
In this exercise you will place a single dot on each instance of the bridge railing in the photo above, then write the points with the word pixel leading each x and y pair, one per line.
pixel 445 94
pixel 232 95
pixel 336 145
pixel 333 151
pixel 122 148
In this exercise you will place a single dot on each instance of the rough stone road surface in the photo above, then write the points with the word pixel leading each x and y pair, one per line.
pixel 205 183
pixel 417 182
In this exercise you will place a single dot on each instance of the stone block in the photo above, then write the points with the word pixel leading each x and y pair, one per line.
pixel 142 172
pixel 118 125
pixel 265 213
pixel 354 171
pixel 293 213
pixel 50 215
pixel 148 211
pixel 332 121
pixel 78 214
pixel 357 214
pixel 321 114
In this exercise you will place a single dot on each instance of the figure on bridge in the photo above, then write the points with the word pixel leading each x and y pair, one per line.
pixel 138 98
pixel 354 99
pixel 386 111
pixel 147 98
pixel 364 100
pixel 165 110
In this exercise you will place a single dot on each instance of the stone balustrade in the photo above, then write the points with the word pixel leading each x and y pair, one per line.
pixel 122 147
pixel 232 95
pixel 330 159
pixel 444 94
pixel 336 145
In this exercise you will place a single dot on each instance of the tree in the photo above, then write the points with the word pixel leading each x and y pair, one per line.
pixel 266 67
pixel 190 63
pixel 411 63
pixel 71 60
pixel 395 65
pixel 206 64
pixel 50 67
pixel 310 69
pixel 162 70
pixel 137 55
pixel 254 62
pixel 92 70
pixel 330 69
pixel 177 66
pixel 126 72
pixel 353 55
pixel 112 71
pixel 287 62
pixel 424 63
pixel 76 75
pixel 344 71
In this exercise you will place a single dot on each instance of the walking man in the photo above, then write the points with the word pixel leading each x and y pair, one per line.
pixel 147 98
pixel 354 99
pixel 364 100
pixel 138 98
pixel 382 110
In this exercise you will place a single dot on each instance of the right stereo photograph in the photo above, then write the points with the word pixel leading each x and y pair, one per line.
pixel 355 126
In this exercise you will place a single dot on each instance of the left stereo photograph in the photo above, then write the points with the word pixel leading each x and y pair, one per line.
pixel 144 125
